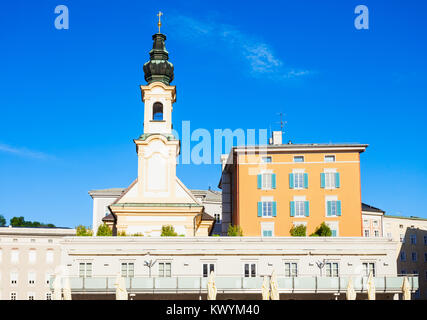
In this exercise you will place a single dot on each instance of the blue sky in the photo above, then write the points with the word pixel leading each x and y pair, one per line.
pixel 70 100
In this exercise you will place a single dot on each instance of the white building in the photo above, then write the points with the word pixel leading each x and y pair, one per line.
pixel 28 258
pixel 180 266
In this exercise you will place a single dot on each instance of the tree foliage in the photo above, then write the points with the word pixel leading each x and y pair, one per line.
pixel 298 231
pixel 322 231
pixel 234 231
pixel 168 231
pixel 82 231
pixel 20 222
pixel 104 231
pixel 2 221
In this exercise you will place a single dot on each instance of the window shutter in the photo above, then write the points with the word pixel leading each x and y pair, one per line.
pixel 307 209
pixel 273 181
pixel 337 180
pixel 329 208
pixel 292 208
pixel 305 180
pixel 339 208
pixel 322 180
pixel 274 208
pixel 291 180
pixel 259 181
pixel 259 209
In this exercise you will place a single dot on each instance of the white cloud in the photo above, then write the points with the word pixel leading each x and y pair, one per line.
pixel 258 55
pixel 24 152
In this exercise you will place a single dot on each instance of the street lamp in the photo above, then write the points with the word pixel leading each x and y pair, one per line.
pixel 149 263
pixel 320 265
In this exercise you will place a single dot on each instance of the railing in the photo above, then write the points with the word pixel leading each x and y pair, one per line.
pixel 303 284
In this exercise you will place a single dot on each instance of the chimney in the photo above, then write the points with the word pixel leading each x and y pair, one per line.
pixel 276 137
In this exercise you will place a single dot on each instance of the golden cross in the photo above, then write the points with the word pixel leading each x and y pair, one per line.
pixel 159 24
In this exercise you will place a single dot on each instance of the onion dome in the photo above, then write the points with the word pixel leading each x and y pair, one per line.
pixel 158 68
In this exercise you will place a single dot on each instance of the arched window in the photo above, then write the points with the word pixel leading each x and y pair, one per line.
pixel 157 111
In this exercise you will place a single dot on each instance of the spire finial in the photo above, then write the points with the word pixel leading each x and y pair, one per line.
pixel 159 24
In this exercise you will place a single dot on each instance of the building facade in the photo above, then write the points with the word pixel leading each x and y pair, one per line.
pixel 269 189
pixel 28 259
pixel 177 268
pixel 411 255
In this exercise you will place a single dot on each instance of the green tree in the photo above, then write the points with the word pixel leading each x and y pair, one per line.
pixel 104 231
pixel 2 221
pixel 168 231
pixel 234 231
pixel 298 231
pixel 20 222
pixel 322 231
pixel 82 231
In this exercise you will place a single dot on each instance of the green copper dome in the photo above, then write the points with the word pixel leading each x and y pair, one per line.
pixel 158 68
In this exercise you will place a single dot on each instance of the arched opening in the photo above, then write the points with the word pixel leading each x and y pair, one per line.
pixel 157 111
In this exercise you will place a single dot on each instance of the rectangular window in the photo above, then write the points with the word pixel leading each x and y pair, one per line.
pixel 332 269
pixel 250 270
pixel 298 180
pixel 403 256
pixel 413 239
pixel 333 208
pixel 414 256
pixel 127 270
pixel 299 208
pixel 31 296
pixel 376 233
pixel 31 278
pixel 165 270
pixel 330 180
pixel 366 233
pixel 32 256
pixel 266 159
pixel 49 256
pixel 299 159
pixel 14 256
pixel 48 296
pixel 267 233
pixel 13 278
pixel 425 257
pixel 85 270
pixel 47 278
pixel 291 269
pixel 329 158
pixel 217 217
pixel 207 269
pixel 402 238
pixel 13 296
pixel 267 208
pixel 267 181
pixel 368 267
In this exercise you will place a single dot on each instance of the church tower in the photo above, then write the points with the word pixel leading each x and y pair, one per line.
pixel 157 197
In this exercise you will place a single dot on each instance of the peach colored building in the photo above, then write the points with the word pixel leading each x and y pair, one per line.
pixel 279 186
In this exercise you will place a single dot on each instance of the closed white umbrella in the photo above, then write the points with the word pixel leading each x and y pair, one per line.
pixel 274 291
pixel 121 292
pixel 57 294
pixel 351 293
pixel 67 289
pixel 265 289
pixel 406 289
pixel 211 287
pixel 371 287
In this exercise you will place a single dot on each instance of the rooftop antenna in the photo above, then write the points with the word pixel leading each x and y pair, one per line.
pixel 282 123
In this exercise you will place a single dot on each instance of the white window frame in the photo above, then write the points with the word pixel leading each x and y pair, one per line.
pixel 268 158
pixel 208 265
pixel 14 278
pixel 32 256
pixel 14 256
pixel 49 256
pixel 164 273
pixel 332 264
pixel 266 204
pixel 267 226
pixel 291 269
pixel 31 278
pixel 303 159
pixel 86 272
pixel 333 225
pixel 299 202
pixel 330 178
pixel 125 269
pixel 250 264
pixel 366 267
pixel 329 155
pixel 366 231
pixel 267 180
pixel 298 176
pixel 331 198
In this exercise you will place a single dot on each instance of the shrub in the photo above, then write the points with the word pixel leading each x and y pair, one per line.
pixel 104 231
pixel 138 234
pixel 322 231
pixel 82 231
pixel 121 233
pixel 298 231
pixel 234 231
pixel 168 231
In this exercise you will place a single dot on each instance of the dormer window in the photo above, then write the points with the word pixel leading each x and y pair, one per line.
pixel 157 111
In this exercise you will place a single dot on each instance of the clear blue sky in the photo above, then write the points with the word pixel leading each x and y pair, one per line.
pixel 70 100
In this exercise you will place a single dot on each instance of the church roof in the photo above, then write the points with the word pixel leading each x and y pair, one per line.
pixel 158 68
